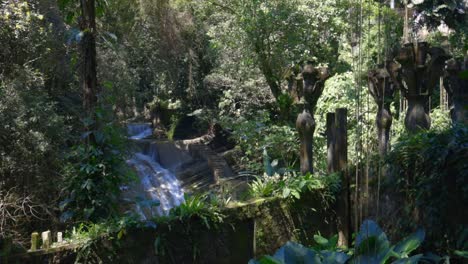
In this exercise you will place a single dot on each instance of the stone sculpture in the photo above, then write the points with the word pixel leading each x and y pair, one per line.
pixel 419 70
pixel 313 83
pixel 382 90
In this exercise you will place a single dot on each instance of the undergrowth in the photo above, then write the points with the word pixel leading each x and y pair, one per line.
pixel 430 171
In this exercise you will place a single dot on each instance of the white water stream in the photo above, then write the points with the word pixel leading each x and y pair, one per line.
pixel 155 182
pixel 139 131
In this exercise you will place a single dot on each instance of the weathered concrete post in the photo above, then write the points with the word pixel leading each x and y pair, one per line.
pixel 382 89
pixel 59 237
pixel 457 90
pixel 46 239
pixel 34 241
pixel 416 80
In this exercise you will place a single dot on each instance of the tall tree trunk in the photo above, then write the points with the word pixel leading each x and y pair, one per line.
pixel 88 60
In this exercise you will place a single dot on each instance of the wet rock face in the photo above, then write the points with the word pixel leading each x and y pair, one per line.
pixel 457 89
pixel 419 70
pixel 189 127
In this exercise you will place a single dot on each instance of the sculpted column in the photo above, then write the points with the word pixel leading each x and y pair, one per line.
pixel 382 90
pixel 418 73
pixel 313 83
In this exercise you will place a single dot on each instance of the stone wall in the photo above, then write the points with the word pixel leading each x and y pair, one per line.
pixel 249 230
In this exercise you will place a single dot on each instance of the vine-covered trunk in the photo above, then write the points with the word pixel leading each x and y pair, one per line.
pixel 305 125
pixel 88 60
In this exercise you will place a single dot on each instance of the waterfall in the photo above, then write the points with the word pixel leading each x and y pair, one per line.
pixel 139 131
pixel 156 183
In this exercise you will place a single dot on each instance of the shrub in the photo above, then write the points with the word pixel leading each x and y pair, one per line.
pixel 291 186
pixel 429 170
pixel 371 246
pixel 195 206
pixel 94 174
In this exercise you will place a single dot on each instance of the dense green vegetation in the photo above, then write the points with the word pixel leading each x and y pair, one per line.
pixel 372 246
pixel 74 74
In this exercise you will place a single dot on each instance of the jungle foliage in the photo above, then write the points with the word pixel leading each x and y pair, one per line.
pixel 229 63
pixel 371 246
pixel 431 173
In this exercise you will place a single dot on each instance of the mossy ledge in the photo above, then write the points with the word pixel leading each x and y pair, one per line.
pixel 249 230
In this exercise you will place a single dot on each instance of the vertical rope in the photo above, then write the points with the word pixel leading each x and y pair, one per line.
pixel 406 30
pixel 379 168
pixel 354 66
pixel 358 208
pixel 378 32
pixel 369 9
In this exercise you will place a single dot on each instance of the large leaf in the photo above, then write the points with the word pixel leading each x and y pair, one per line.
pixel 410 243
pixel 370 232
pixel 321 240
pixel 265 260
pixel 461 253
pixel 292 253
pixel 412 260
pixel 267 164
pixel 372 245
pixel 269 260
pixel 333 257
pixel 366 259
pixel 326 244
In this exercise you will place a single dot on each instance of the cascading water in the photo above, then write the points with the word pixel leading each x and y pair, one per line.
pixel 139 131
pixel 156 183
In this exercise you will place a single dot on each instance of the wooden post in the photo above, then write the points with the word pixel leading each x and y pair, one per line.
pixel 46 239
pixel 341 150
pixel 342 137
pixel 332 163
pixel 34 241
